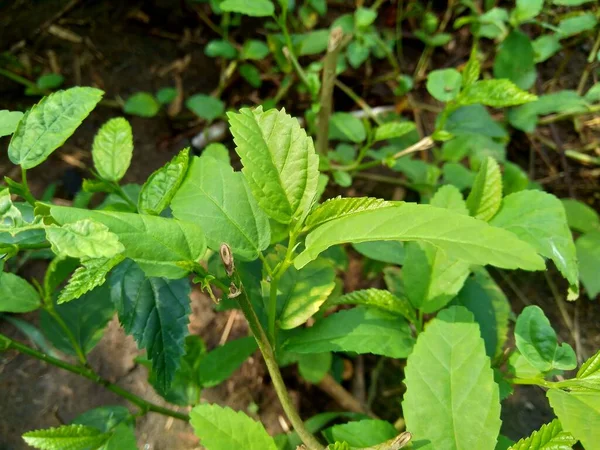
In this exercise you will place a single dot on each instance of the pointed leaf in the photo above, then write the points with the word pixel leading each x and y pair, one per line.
pixel 393 130
pixel 17 295
pixel 339 207
pixel 472 69
pixel 112 149
pixel 344 126
pixel 48 124
pixel 579 414
pixel 485 197
pixel 220 363
pixel 451 400
pixel 142 104
pixel 9 121
pixel 590 368
pixel 549 437
pixel 451 198
pixel 515 60
pixel 580 216
pixel 91 274
pixel 494 93
pixel 83 239
pixel 67 437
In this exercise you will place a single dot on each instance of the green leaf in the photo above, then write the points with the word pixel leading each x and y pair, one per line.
pixel 360 330
pixel 338 207
pixel 160 188
pixel 220 47
pixel 346 127
pixel 544 47
pixel 588 256
pixel 206 107
pixel 279 161
pixel 393 130
pixel 112 149
pixel 363 17
pixel 526 10
pixel 474 119
pixel 461 237
pixel 444 85
pixel 66 437
pixel 254 49
pixel 357 53
pixel 218 199
pixel 450 197
pixel 514 179
pixel 576 24
pixel 50 81
pixel 495 93
pixel 48 124
pixel 549 437
pixel 377 298
pixel 157 244
pixel 155 312
pixel 451 400
pixel 219 364
pixel 16 294
pixel 571 2
pixel 217 151
pixel 224 429
pixel 255 8
pixel 391 252
pixel 472 69
pixel 593 93
pixel 580 216
pixel 315 366
pixel 104 418
pixel 83 239
pixel 166 95
pixel 91 274
pixel 142 104
pixel 515 60
pixel 362 433
pixel 9 121
pixel 10 215
pixel 579 414
pixel 485 197
pixel 251 74
pixel 303 292
pixel 536 340
pixel 539 219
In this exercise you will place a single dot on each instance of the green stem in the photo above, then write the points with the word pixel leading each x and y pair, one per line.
pixel 27 195
pixel 358 100
pixel 93 376
pixel 289 53
pixel 534 382
pixel 18 79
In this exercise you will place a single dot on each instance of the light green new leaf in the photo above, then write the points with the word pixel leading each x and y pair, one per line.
pixel 219 364
pixel 393 130
pixel 377 298
pixel 580 216
pixel 225 429
pixel 9 121
pixel 160 188
pixel 67 437
pixel 338 207
pixel 313 367
pixel 218 199
pixel 451 401
pixel 549 437
pixel 255 8
pixel 16 294
pixel 91 274
pixel 539 219
pixel 112 149
pixel 360 330
pixel 451 198
pixel 157 244
pixel 485 197
pixel 472 69
pixel 48 124
pixel 346 127
pixel 461 237
pixel 579 414
pixel 494 93
pixel 515 60
pixel 302 292
pixel 588 255
pixel 279 159
pixel 362 433
pixel 591 367
pixel 83 239
pixel 155 312
pixel 536 340
pixel 444 85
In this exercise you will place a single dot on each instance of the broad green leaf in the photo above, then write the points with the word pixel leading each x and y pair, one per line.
pixel 218 151
pixel 338 207
pixel 255 8
pixel 526 10
pixel 218 199
pixel 160 188
pixel 377 298
pixel 49 81
pixel 545 47
pixel 142 104
pixel 580 216
pixel 16 294
pixel 579 414
pixel 83 239
pixel 279 161
pixel 346 127
pixel 104 418
pixel 357 53
pixel 10 215
pixel 251 74
pixel 450 197
pixel 302 292
pixel 166 95
pixel 588 256
pixel 9 121
pixel 391 252
pixel 219 364
pixel 514 179
pixel 58 271
pixel 474 119
pixel 393 130
pixel 363 17
pixel 205 106
pixel 224 429
pixel 313 367
pixel 451 400
pixel 495 93
pixel 577 24
pixel 593 93
pixel 540 220
pixel 485 197
pixel 48 124
pixel 253 49
pixel 89 275
pixel 461 237
pixel 515 60
pixel 492 24
pixel 122 438
pixel 112 149
pixel 536 340
pixel 363 433
pixel 155 312
pixel 360 330
pixel 220 47
pixel 66 437
pixel 157 244
pixel 444 85
pixel 549 437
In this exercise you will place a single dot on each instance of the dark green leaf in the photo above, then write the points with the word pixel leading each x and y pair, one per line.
pixel 50 81
pixel 141 104
pixel 588 255
pixel 344 126
pixel 220 47
pixel 219 364
pixel 166 95
pixel 254 49
pixel 313 367
pixel 251 74
pixel 515 60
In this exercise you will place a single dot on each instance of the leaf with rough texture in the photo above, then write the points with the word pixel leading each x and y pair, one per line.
pixel 485 197
pixel 16 294
pixel 377 298
pixel 549 437
pixel 451 198
pixel 66 437
pixel 393 130
pixel 461 237
pixel 579 414
pixel 255 8
pixel 539 219
pixel 83 239
pixel 588 256
pixel 218 199
pixel 90 274
pixel 536 340
pixel 157 244
pixel 9 121
pixel 360 330
pixel 220 363
pixel 112 149
pixel 580 216
pixel 362 433
pixel 160 188
pixel 279 159
pixel 10 215
pixel 225 429
pixel 472 70
pixel 155 312
pixel 494 93
pixel 48 124
pixel 451 401
pixel 338 207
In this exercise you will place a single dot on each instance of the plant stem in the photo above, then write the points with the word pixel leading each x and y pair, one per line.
pixel 18 79
pixel 567 115
pixel 93 376
pixel 27 192
pixel 358 100
pixel 533 382
pixel 288 50
pixel 588 68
